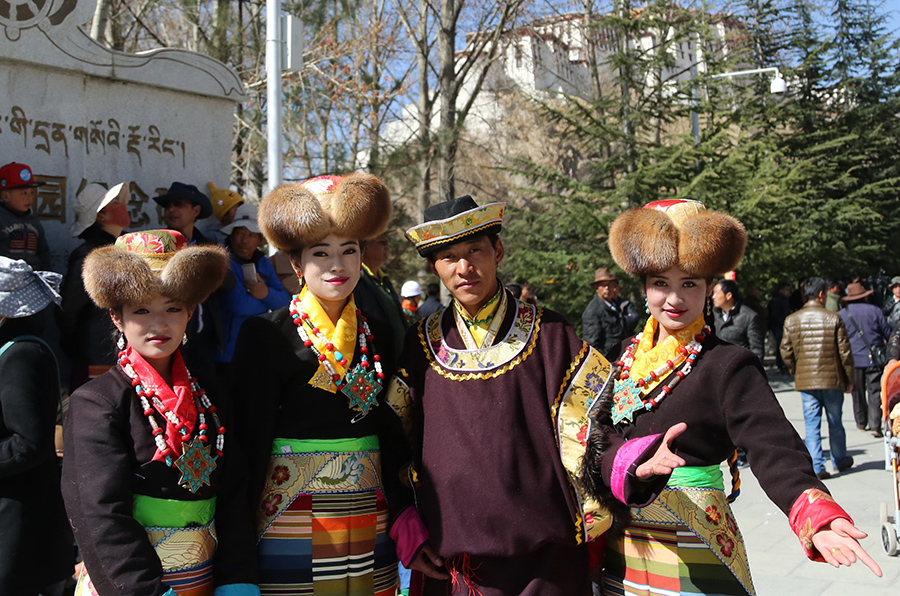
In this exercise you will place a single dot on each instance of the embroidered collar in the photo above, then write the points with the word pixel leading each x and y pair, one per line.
pixel 511 350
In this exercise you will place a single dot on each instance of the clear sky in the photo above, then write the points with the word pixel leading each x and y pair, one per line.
pixel 893 6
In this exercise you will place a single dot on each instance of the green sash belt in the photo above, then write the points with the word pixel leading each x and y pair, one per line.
pixel 284 446
pixel 698 477
pixel 151 512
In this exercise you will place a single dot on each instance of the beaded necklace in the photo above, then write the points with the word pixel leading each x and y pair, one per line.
pixel 361 384
pixel 195 463
pixel 627 399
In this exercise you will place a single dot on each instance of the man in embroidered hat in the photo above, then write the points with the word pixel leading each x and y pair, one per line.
pixel 101 216
pixel 21 234
pixel 868 328
pixel 609 318
pixel 494 394
pixel 678 370
pixel 35 538
pixel 315 431
pixel 153 492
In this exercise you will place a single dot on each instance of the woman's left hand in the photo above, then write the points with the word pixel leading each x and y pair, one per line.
pixel 663 461
pixel 838 542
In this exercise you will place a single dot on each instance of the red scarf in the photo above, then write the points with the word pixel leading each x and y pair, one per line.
pixel 178 398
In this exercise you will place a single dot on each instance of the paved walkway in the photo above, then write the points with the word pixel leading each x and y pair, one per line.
pixel 777 562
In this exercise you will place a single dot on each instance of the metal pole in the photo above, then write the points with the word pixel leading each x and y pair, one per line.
pixel 695 118
pixel 273 90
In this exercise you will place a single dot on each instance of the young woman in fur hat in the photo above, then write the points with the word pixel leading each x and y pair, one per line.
pixel 314 432
pixel 146 471
pixel 677 370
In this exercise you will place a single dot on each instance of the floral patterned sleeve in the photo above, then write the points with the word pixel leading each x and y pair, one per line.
pixel 812 511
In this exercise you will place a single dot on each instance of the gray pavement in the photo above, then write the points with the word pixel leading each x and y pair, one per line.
pixel 777 562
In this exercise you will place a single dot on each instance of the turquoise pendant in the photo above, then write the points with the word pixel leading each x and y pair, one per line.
pixel 626 401
pixel 362 387
pixel 196 465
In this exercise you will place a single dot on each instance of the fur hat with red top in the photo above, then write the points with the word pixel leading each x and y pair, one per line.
pixel 141 265
pixel 17 175
pixel 356 206
pixel 677 233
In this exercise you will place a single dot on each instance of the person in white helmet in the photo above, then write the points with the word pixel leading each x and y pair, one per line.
pixel 411 292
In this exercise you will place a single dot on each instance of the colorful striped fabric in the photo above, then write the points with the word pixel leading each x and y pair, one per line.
pixel 186 555
pixel 659 555
pixel 331 540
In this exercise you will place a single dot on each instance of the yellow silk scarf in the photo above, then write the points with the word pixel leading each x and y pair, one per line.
pixel 480 324
pixel 342 335
pixel 648 357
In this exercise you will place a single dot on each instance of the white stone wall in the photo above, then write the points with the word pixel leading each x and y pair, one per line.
pixel 78 113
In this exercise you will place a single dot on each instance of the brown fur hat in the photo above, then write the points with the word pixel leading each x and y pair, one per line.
pixel 296 215
pixel 680 233
pixel 141 265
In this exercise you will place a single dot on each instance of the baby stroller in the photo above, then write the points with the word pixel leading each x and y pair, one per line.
pixel 890 396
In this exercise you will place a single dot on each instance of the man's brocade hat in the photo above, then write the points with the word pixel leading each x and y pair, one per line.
pixel 356 206
pixel 454 221
pixel 141 265
pixel 677 233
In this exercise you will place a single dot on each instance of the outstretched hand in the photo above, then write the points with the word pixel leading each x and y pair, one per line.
pixel 663 461
pixel 838 542
pixel 429 563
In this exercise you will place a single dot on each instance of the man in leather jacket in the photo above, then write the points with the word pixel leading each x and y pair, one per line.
pixel 816 350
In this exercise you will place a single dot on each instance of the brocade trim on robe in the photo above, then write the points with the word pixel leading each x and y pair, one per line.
pixel 398 398
pixel 486 363
pixel 291 474
pixel 186 555
pixel 706 512
pixel 580 389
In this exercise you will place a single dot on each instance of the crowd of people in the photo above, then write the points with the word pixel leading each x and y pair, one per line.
pixel 240 427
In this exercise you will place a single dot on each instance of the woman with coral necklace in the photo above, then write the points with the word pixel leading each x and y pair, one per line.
pixel 314 432
pixel 146 480
pixel 677 370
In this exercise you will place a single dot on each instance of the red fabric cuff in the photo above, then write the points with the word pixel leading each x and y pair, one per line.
pixel 813 510
pixel 409 533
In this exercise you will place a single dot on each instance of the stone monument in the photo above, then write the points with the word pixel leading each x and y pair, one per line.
pixel 78 112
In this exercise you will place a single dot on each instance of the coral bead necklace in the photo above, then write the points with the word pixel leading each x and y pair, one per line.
pixel 363 382
pixel 628 400
pixel 195 463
